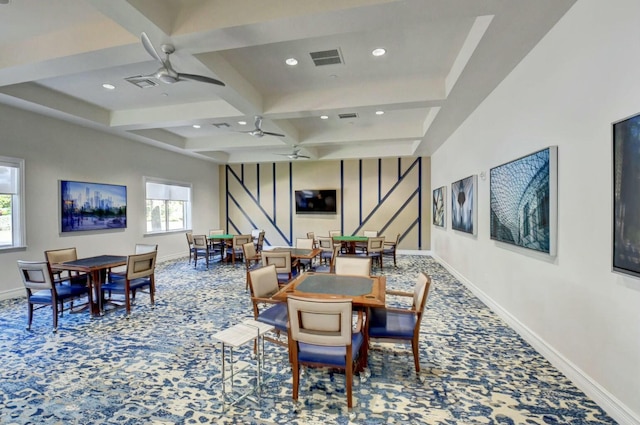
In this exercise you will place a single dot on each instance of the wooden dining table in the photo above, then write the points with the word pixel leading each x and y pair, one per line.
pixel 363 291
pixel 96 267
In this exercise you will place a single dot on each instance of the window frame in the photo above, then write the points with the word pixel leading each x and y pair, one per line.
pixel 188 208
pixel 18 213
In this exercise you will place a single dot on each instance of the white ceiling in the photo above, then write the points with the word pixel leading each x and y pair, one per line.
pixel 443 58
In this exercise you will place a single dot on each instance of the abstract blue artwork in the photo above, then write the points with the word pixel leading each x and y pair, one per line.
pixel 463 204
pixel 439 206
pixel 523 201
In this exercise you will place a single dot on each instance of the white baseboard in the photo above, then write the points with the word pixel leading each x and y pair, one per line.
pixel 614 407
pixel 13 293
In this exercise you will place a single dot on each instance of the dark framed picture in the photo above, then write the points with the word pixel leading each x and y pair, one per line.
pixel 626 202
pixel 523 201
pixel 439 206
pixel 464 211
pixel 92 206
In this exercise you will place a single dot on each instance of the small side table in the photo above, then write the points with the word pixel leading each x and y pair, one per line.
pixel 235 336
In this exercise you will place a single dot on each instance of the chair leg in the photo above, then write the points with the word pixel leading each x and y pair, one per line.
pixel 295 371
pixel 30 316
pixel 416 358
pixel 349 376
pixel 127 303
pixel 54 307
pixel 152 293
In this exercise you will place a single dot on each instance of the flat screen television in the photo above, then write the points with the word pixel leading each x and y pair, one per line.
pixel 92 206
pixel 313 201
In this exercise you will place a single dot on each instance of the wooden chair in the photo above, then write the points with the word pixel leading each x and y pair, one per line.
pixel 55 256
pixel 251 259
pixel 236 246
pixel 263 282
pixel 387 324
pixel 285 268
pixel 361 247
pixel 260 242
pixel 216 246
pixel 305 244
pixel 321 335
pixel 326 248
pixel 120 273
pixel 330 268
pixel 352 265
pixel 200 249
pixel 375 246
pixel 390 248
pixel 312 236
pixel 190 243
pixel 140 274
pixel 42 291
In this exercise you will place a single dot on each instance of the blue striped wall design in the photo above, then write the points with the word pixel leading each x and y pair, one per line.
pixel 261 196
pixel 245 211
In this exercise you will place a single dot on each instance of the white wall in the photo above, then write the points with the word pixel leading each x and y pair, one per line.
pixel 54 151
pixel 582 77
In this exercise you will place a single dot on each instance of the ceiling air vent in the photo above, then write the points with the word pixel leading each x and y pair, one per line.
pixel 347 116
pixel 221 125
pixel 326 57
pixel 142 82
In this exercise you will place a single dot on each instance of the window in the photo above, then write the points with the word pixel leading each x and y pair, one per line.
pixel 168 206
pixel 12 221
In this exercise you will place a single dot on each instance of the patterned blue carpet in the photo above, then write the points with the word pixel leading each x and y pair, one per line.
pixel 162 366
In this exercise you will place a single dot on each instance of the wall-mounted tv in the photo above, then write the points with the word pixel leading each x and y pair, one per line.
pixel 92 206
pixel 313 201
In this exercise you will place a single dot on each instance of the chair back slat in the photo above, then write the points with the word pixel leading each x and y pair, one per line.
pixel 264 281
pixel 350 265
pixel 320 322
pixel 141 265
pixel 36 275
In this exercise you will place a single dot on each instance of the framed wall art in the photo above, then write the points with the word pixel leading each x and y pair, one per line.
pixel 439 206
pixel 626 202
pixel 464 211
pixel 523 201
pixel 92 206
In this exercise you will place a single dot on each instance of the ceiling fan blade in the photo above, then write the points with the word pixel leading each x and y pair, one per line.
pixel 200 78
pixel 148 46
pixel 273 134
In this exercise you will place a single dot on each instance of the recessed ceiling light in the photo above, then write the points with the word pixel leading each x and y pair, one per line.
pixel 291 61
pixel 108 86
pixel 324 117
pixel 379 112
pixel 196 126
pixel 378 52
pixel 242 122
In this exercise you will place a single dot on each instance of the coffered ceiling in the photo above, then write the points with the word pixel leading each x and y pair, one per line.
pixel 443 57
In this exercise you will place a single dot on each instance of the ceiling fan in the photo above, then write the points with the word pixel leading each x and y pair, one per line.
pixel 166 73
pixel 295 154
pixel 258 132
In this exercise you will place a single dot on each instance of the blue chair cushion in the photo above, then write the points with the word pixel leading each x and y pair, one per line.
pixel 64 292
pixel 330 355
pixel 391 324
pixel 276 316
pixel 117 285
pixel 284 277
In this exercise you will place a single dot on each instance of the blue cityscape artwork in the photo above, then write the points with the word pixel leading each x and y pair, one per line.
pixel 92 206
